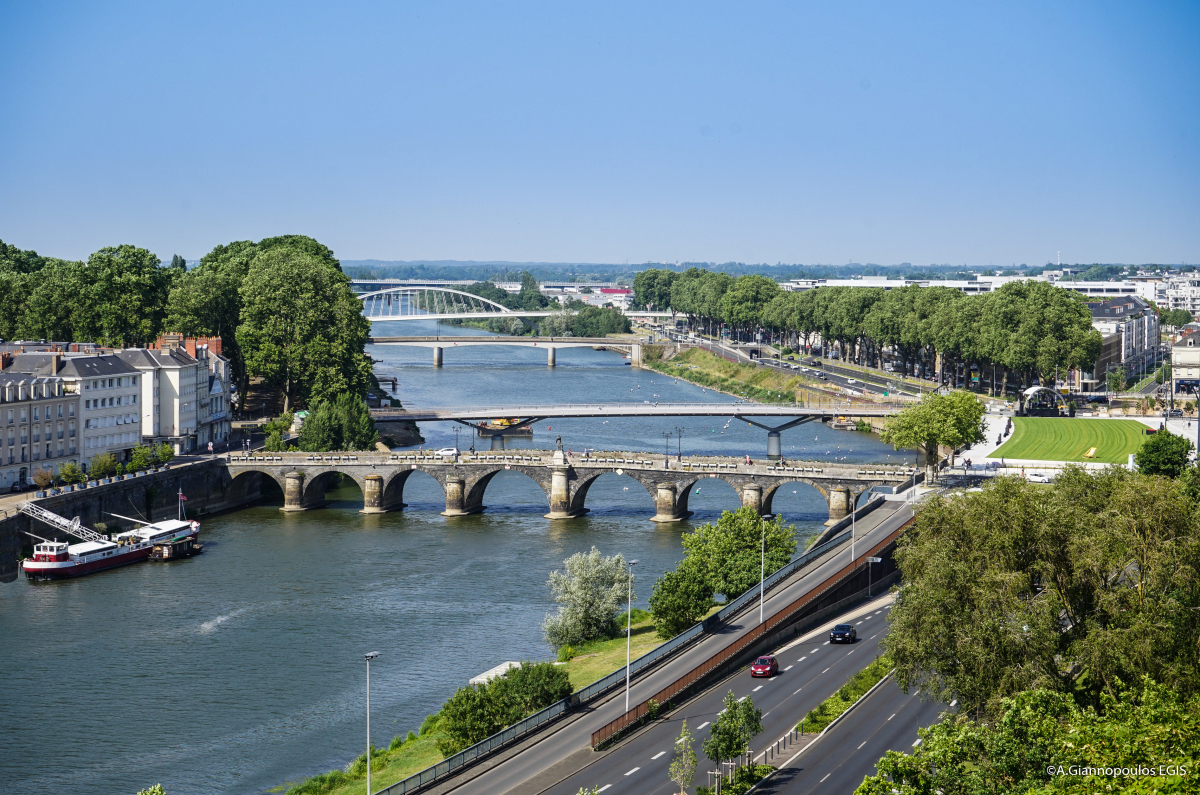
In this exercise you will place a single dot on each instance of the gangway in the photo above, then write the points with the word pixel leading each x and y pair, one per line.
pixel 54 520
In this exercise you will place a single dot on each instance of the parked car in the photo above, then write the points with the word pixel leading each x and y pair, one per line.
pixel 765 665
pixel 1038 477
pixel 448 451
pixel 20 485
pixel 843 633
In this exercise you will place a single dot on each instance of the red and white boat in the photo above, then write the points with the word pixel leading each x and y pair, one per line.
pixel 53 560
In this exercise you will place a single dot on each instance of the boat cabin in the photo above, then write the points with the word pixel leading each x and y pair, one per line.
pixel 51 552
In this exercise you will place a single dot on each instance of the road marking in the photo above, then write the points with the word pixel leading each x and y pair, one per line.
pixel 681 739
pixel 631 772
pixel 850 652
pixel 790 667
pixel 755 690
pixel 918 742
pixel 893 715
pixel 873 637
pixel 864 742
pixel 822 781
pixel 606 786
pixel 826 643
pixel 814 651
pixel 656 756
pixel 865 618
pixel 856 623
pixel 701 726
pixel 955 701
pixel 743 698
pixel 826 670
pixel 797 691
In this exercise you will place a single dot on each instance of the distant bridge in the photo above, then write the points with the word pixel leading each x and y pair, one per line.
pixel 551 344
pixel 566 479
pixel 445 303
pixel 737 410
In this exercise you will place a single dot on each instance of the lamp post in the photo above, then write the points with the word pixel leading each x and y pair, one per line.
pixel 369 656
pixel 628 630
pixel 666 444
pixel 678 444
pixel 762 569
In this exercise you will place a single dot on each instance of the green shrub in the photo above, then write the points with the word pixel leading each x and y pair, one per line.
pixel 566 653
pixel 835 705
pixel 396 742
pixel 102 465
pixel 321 784
pixel 429 724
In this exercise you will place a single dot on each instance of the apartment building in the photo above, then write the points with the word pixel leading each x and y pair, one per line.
pixel 984 284
pixel 1185 364
pixel 37 426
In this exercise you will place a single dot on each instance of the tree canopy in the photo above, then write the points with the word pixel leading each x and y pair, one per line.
pixel 589 590
pixel 952 420
pixel 1163 453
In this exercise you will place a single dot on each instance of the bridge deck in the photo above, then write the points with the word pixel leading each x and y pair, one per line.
pixel 450 342
pixel 646 409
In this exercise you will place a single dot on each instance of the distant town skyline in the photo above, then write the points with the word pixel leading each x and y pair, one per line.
pixel 989 135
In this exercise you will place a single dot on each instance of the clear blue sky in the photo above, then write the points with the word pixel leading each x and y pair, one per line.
pixel 608 132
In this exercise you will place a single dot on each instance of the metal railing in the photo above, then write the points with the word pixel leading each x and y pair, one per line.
pixel 598 688
pixel 733 650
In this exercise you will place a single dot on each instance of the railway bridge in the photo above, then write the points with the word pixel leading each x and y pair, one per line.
pixel 566 479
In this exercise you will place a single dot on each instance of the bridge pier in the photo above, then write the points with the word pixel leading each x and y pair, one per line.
pixel 560 491
pixel 293 492
pixel 373 495
pixel 752 497
pixel 635 355
pixel 839 505
pixel 456 499
pixel 666 505
pixel 550 355
pixel 497 441
pixel 437 357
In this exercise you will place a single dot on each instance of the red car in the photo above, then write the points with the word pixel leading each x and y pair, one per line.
pixel 766 665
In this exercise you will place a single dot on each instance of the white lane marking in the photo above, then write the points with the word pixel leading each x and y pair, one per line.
pixel 822 781
pixel 631 772
pixel 797 691
pixel 790 667
pixel 826 643
pixel 865 618
pixel 755 690
pixel 893 715
pixel 826 670
pixel 606 786
pixel 918 742
pixel 802 659
pixel 701 726
pixel 656 756
pixel 955 701
pixel 856 623
pixel 864 742
pixel 873 637
pixel 847 654
pixel 743 698
pixel 814 651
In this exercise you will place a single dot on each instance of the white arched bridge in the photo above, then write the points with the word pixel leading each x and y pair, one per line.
pixel 445 303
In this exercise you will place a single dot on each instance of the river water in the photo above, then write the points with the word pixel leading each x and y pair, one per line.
pixel 241 669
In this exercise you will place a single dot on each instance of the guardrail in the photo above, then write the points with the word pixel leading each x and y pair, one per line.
pixel 713 663
pixel 522 728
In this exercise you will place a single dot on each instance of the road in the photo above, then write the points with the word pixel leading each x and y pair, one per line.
pixel 575 736
pixel 887 720
pixel 811 671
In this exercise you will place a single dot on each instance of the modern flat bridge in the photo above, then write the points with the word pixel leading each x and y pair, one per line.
pixel 551 344
pixel 528 414
pixel 566 479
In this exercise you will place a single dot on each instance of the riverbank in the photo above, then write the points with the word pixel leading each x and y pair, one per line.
pixel 744 381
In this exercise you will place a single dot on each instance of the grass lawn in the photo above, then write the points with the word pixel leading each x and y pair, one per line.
pixel 1067 439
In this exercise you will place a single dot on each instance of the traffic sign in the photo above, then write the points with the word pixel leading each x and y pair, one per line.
pixel 874 560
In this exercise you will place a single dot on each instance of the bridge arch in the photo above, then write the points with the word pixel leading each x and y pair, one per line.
pixel 583 485
pixel 477 487
pixel 246 485
pixel 413 302
pixel 317 483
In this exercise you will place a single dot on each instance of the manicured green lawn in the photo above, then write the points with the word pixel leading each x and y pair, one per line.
pixel 1067 439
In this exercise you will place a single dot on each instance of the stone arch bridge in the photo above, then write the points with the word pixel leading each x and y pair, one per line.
pixel 304 478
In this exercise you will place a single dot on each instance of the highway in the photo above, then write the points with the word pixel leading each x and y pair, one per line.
pixel 570 744
pixel 644 409
pixel 811 670
pixel 837 763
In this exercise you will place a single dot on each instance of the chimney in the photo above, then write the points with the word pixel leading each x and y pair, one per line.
pixel 55 362
pixel 189 344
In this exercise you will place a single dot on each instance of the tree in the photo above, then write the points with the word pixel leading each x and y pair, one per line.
pixel 1114 380
pixel 141 458
pixel 302 328
pixel 737 725
pixel 70 472
pixel 157 789
pixel 729 553
pixel 1044 743
pixel 594 321
pixel 126 288
pixel 102 465
pixel 953 420
pixel 1074 589
pixel 1163 453
pixel 164 453
pixel 590 590
pixel 476 712
pixel 42 477
pixel 681 597
pixel 532 686
pixel 178 263
pixel 683 763
pixel 341 424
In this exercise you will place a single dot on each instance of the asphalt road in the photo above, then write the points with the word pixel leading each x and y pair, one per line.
pixel 837 763
pixel 575 736
pixel 811 670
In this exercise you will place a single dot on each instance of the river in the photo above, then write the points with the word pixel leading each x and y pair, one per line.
pixel 241 669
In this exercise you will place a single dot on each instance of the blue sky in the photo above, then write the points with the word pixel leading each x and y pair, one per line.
pixel 963 133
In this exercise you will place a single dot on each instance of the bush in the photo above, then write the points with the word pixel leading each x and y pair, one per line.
pixel 590 592
pixel 321 784
pixel 429 724
pixel 42 477
pixel 140 458
pixel 274 443
pixel 475 712
pixel 70 472
pixel 102 465
pixel 396 742
pixel 120 469
pixel 164 453
pixel 566 653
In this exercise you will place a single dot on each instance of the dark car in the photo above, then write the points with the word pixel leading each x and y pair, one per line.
pixel 1174 412
pixel 765 665
pixel 843 633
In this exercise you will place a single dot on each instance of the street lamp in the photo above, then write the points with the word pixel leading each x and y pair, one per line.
pixel 678 444
pixel 666 444
pixel 762 570
pixel 628 630
pixel 369 656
